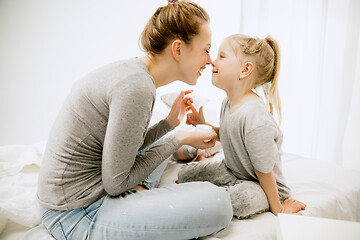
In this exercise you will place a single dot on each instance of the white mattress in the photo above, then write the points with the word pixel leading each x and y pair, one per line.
pixel 328 190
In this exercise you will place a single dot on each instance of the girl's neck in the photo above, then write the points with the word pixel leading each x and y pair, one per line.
pixel 238 97
pixel 159 68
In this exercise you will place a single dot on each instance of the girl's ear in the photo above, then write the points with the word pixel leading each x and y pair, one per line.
pixel 176 49
pixel 247 70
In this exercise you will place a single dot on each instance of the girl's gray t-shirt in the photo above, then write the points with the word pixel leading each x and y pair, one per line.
pixel 93 145
pixel 251 139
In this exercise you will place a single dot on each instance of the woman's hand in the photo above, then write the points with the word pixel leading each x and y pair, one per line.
pixel 194 118
pixel 292 206
pixel 196 139
pixel 179 108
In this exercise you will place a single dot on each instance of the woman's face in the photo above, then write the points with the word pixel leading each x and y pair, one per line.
pixel 196 56
pixel 226 67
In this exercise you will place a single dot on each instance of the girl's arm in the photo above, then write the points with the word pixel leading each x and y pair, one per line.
pixel 268 183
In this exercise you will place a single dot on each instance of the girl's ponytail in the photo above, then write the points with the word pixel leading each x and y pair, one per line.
pixel 271 89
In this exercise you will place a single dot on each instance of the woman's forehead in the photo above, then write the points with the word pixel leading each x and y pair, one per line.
pixel 204 37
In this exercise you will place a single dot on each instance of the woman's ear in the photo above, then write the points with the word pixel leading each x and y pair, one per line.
pixel 176 49
pixel 247 70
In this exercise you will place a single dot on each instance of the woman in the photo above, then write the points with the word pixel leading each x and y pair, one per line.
pixel 100 151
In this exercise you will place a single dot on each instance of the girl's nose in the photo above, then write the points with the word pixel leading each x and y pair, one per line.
pixel 213 63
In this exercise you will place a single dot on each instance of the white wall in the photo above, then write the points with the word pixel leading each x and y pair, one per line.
pixel 47 45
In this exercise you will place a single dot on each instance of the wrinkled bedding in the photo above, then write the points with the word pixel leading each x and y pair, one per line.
pixel 330 191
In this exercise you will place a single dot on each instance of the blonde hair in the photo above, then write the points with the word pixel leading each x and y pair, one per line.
pixel 266 56
pixel 177 20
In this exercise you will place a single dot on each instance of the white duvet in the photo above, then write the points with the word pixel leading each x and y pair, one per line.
pixel 328 190
pixel 19 166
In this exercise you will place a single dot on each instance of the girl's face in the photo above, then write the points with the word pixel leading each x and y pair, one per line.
pixel 226 68
pixel 196 56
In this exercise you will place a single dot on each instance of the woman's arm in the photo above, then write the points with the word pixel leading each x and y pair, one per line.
pixel 216 129
pixel 177 113
pixel 129 113
pixel 155 132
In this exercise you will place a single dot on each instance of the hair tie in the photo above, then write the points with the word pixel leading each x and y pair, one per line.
pixel 265 40
pixel 171 1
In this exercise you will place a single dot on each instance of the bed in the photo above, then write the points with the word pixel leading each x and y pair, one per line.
pixel 328 190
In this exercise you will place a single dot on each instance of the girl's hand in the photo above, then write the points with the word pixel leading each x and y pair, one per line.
pixel 179 108
pixel 196 139
pixel 194 118
pixel 292 206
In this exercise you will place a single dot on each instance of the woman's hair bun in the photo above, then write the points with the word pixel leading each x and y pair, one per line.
pixel 177 20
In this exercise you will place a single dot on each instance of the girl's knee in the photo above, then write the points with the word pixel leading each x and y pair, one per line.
pixel 214 172
pixel 190 172
pixel 248 198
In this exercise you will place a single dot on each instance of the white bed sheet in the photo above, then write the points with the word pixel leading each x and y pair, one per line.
pixel 328 190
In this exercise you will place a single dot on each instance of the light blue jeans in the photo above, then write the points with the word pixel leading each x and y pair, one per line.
pixel 179 211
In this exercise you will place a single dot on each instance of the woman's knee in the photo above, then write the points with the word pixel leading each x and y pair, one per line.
pixel 217 202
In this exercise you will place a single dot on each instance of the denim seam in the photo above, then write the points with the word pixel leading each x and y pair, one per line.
pixel 148 230
pixel 62 230
pixel 47 213
pixel 58 224
pixel 87 215
pixel 54 226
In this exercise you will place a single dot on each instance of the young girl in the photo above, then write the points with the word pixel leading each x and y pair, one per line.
pixel 250 137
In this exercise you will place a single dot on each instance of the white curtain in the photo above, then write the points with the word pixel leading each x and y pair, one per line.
pixel 319 75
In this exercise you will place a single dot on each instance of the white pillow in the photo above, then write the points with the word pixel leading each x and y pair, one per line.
pixel 169 99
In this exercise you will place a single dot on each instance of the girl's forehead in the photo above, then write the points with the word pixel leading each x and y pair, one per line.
pixel 225 46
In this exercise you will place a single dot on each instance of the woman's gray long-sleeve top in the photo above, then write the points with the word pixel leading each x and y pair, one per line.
pixel 93 144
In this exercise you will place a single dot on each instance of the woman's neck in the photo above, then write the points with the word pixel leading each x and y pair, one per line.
pixel 159 68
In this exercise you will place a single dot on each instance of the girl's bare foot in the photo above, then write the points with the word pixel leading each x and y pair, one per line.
pixel 292 206
pixel 210 151
pixel 201 159
pixel 139 188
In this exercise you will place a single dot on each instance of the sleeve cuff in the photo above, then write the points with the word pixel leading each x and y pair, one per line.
pixel 176 142
pixel 164 124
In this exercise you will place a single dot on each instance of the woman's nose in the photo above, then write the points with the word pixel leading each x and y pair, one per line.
pixel 209 61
